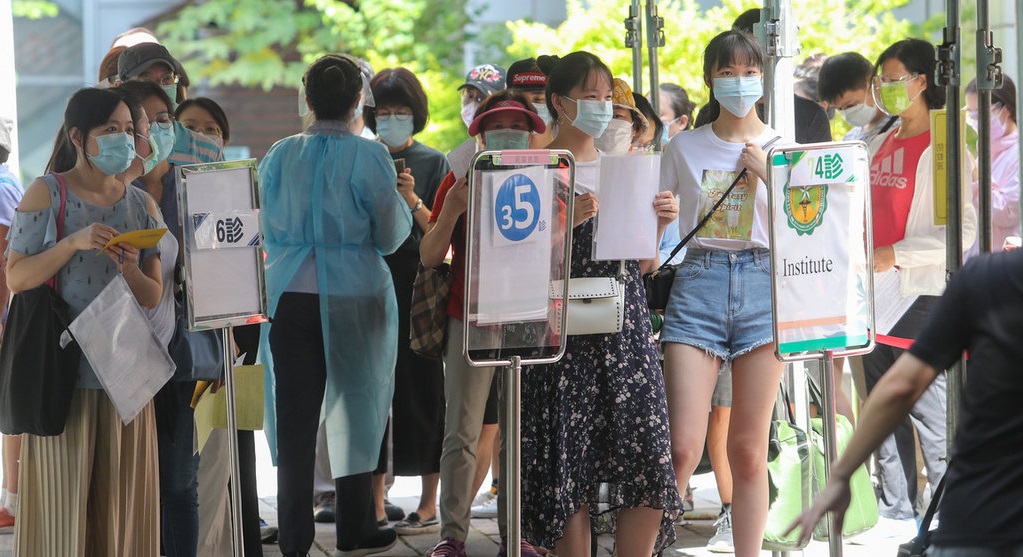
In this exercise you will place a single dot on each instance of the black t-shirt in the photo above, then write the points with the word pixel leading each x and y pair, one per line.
pixel 982 312
pixel 810 120
pixel 429 166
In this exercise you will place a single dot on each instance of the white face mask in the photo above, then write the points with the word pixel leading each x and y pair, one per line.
pixel 469 112
pixel 616 139
pixel 859 115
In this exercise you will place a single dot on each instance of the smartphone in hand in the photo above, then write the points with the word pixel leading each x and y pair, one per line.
pixel 399 165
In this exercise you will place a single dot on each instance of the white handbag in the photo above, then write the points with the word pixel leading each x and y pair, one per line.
pixel 596 305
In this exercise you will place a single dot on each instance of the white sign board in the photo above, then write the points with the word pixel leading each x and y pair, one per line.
pixel 821 264
pixel 223 259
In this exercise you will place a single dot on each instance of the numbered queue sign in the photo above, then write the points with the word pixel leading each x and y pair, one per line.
pixel 820 253
pixel 228 229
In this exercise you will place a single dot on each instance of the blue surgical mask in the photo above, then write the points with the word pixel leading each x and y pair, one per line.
pixel 507 139
pixel 164 139
pixel 738 95
pixel 150 162
pixel 172 92
pixel 543 112
pixel 664 136
pixel 116 151
pixel 591 116
pixel 392 131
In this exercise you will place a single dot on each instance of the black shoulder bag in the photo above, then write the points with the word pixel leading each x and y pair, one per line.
pixel 37 375
pixel 658 282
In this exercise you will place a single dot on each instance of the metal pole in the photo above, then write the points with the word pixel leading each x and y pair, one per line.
pixel 776 32
pixel 830 442
pixel 654 40
pixel 510 483
pixel 948 54
pixel 232 445
pixel 989 77
pixel 1019 92
pixel 634 40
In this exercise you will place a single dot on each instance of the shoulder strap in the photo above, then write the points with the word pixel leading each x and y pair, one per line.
pixel 60 218
pixel 710 213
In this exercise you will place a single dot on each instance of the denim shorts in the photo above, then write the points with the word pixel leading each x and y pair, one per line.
pixel 721 302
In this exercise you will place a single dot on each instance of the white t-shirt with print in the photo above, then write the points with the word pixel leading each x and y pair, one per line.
pixel 698 166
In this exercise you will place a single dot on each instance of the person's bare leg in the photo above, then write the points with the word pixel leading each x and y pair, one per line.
pixel 576 541
pixel 717 450
pixel 11 454
pixel 495 460
pixel 843 405
pixel 636 531
pixel 689 377
pixel 428 500
pixel 485 454
pixel 755 379
pixel 379 481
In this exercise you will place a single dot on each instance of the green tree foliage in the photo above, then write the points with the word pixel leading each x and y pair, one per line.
pixel 268 43
pixel 865 26
pixel 34 9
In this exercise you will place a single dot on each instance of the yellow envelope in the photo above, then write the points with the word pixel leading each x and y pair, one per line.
pixel 211 411
pixel 142 239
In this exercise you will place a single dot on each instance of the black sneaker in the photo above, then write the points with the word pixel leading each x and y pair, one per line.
pixel 394 512
pixel 323 508
pixel 383 540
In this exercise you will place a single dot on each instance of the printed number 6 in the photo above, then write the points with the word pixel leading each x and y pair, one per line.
pixel 221 231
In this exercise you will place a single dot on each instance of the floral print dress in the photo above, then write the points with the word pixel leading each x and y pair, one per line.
pixel 598 419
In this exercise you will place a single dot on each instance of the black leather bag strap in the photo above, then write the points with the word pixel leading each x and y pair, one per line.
pixel 710 213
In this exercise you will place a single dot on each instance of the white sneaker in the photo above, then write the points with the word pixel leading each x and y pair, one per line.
pixel 889 530
pixel 721 541
pixel 484 497
pixel 487 510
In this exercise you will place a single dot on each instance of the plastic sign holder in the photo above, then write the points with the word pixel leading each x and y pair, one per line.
pixel 518 259
pixel 822 279
pixel 218 207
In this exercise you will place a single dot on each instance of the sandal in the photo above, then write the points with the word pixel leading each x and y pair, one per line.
pixel 414 524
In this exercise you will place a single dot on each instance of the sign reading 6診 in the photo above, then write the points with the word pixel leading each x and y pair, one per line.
pixel 517 207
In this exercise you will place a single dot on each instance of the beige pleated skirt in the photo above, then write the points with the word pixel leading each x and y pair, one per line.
pixel 92 491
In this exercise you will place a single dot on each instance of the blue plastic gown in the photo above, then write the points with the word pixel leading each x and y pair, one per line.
pixel 333 194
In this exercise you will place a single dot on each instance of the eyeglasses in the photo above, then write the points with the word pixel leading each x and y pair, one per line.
pixel 879 79
pixel 401 116
pixel 164 120
pixel 208 130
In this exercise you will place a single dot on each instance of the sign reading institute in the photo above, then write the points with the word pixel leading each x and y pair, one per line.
pixel 820 280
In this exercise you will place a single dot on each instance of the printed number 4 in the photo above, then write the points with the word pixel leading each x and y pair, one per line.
pixel 520 205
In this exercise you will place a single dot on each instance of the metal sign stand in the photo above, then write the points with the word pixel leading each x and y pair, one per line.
pixel 799 332
pixel 237 543
pixel 476 218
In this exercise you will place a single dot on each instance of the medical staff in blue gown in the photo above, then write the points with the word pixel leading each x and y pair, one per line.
pixel 330 212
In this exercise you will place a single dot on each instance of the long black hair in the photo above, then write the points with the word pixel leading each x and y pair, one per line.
pixel 917 56
pixel 731 47
pixel 87 108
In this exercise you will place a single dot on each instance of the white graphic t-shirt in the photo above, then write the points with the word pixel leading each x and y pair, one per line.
pixel 698 166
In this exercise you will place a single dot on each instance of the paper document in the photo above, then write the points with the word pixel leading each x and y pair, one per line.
pixel 889 303
pixel 142 239
pixel 461 157
pixel 118 341
pixel 211 410
pixel 626 223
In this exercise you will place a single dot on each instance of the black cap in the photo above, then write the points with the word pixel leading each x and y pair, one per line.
pixel 525 75
pixel 138 58
pixel 488 78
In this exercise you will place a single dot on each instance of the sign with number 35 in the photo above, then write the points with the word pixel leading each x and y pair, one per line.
pixel 520 214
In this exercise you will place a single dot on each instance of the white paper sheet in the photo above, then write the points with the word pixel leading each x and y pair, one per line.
pixel 889 303
pixel 515 247
pixel 122 348
pixel 461 157
pixel 626 225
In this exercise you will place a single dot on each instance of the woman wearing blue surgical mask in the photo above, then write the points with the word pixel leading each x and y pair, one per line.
pixel 330 213
pixel 906 239
pixel 99 472
pixel 417 409
pixel 504 120
pixel 732 249
pixel 581 428
pixel 676 110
